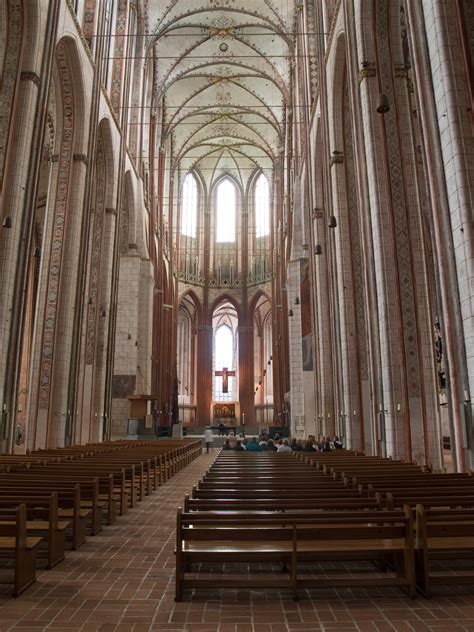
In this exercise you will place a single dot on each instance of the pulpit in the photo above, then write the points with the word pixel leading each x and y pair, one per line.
pixel 139 407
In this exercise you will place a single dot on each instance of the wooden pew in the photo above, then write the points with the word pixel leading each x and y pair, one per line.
pixel 15 542
pixel 290 539
pixel 446 534
pixel 69 503
pixel 438 481
pixel 453 499
pixel 42 520
pixel 322 503
pixel 90 504
pixel 270 492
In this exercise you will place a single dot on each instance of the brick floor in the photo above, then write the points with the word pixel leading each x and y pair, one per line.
pixel 122 580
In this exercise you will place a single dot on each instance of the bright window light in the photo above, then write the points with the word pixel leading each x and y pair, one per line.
pixel 262 207
pixel 189 206
pixel 224 357
pixel 225 213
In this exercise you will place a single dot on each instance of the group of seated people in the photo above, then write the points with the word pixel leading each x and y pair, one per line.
pixel 265 444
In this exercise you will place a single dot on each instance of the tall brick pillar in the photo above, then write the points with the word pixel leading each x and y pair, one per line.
pixel 246 381
pixel 204 374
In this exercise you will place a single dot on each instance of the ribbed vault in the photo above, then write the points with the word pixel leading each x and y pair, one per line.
pixel 222 84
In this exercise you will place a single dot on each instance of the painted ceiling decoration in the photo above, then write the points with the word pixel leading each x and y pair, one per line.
pixel 222 84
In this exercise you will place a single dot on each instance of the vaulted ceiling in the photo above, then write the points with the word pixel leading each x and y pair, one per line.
pixel 222 77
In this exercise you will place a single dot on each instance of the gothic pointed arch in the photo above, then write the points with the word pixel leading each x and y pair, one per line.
pixel 59 228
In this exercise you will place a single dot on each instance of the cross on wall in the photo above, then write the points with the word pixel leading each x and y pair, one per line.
pixel 225 374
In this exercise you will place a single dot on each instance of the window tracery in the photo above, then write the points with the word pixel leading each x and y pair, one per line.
pixel 189 201
pixel 262 207
pixel 225 212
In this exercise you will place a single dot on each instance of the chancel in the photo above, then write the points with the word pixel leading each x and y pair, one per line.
pixel 257 213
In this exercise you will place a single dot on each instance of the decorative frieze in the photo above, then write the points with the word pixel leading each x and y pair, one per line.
pixel 80 31
pixel 356 242
pixel 9 73
pixel 97 229
pixel 119 55
pixel 59 223
pixel 399 210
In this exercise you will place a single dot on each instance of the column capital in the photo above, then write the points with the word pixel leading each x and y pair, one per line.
pixel 367 70
pixel 80 158
pixel 337 157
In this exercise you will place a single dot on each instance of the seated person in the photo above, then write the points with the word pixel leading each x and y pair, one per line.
pixel 327 445
pixel 253 445
pixel 337 443
pixel 308 446
pixel 238 446
pixel 285 446
pixel 227 445
pixel 271 447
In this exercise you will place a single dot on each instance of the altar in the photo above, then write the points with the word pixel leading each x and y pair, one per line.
pixel 227 413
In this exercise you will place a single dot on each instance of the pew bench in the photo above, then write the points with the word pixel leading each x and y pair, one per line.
pixel 293 540
pixel 42 514
pixel 282 504
pixel 460 498
pixel 434 482
pixel 297 492
pixel 447 535
pixel 373 481
pixel 15 543
pixel 91 506
pixel 69 506
pixel 108 495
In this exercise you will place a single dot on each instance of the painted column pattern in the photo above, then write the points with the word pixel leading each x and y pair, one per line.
pixel 9 74
pixel 59 224
pixel 410 413
pixel 296 359
pixel 453 112
pixel 246 387
pixel 360 361
pixel 119 48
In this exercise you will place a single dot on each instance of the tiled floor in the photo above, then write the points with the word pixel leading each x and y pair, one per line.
pixel 122 580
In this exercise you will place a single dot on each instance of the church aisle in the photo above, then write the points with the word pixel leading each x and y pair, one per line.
pixel 122 580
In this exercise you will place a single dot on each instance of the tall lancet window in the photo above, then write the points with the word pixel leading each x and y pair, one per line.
pixel 262 207
pixel 224 359
pixel 189 200
pixel 225 212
